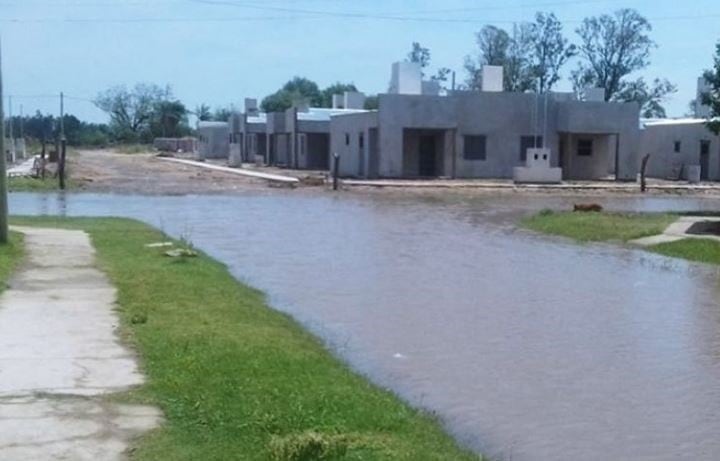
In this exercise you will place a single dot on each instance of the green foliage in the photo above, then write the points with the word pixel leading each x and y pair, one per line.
pixel 29 184
pixel 372 103
pixel 701 250
pixel 77 132
pixel 712 98
pixel 335 88
pixel 419 54
pixel 142 113
pixel 236 379
pixel 593 227
pixel 203 113
pixel 11 255
pixel 301 89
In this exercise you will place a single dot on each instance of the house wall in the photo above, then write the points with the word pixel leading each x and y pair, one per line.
pixel 214 141
pixel 352 163
pixel 595 166
pixel 659 142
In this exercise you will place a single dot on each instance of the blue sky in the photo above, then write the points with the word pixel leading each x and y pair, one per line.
pixel 220 51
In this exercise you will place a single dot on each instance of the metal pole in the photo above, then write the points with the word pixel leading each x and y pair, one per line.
pixel 336 170
pixel 63 142
pixel 3 167
pixel 10 127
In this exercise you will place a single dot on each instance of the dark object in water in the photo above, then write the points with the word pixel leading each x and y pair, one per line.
pixel 587 208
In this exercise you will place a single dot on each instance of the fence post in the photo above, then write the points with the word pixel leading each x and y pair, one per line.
pixel 61 163
pixel 336 170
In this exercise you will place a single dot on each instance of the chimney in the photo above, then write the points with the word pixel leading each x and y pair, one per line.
pixel 406 78
pixel 492 79
pixel 338 101
pixel 251 107
pixel 354 100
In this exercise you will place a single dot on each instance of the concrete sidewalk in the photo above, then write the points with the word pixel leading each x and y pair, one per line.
pixel 59 354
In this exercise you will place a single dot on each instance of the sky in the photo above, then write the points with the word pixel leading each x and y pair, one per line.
pixel 218 52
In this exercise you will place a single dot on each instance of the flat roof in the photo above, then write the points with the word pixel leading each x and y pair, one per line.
pixel 321 114
pixel 671 121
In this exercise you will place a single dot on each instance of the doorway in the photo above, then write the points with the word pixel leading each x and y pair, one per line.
pixel 427 156
pixel 704 160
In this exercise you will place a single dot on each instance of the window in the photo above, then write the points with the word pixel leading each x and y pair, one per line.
pixel 676 146
pixel 528 142
pixel 347 139
pixel 585 147
pixel 474 147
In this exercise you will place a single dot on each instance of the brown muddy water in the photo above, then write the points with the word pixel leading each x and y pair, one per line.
pixel 527 347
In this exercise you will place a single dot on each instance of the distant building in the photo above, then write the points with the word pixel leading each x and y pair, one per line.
pixel 213 140
pixel 485 134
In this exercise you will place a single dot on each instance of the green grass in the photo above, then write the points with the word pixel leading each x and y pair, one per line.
pixel 11 255
pixel 28 184
pixel 595 227
pixel 701 250
pixel 236 379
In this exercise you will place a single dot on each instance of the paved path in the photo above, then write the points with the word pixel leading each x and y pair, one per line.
pixel 239 171
pixel 678 231
pixel 59 355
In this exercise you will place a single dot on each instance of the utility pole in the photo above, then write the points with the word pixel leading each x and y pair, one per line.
pixel 10 127
pixel 3 167
pixel 63 143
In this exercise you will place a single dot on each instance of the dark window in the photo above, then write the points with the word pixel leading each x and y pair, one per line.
pixel 361 141
pixel 676 146
pixel 347 139
pixel 474 147
pixel 704 147
pixel 528 142
pixel 585 147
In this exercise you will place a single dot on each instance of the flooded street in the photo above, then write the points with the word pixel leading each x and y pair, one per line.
pixel 528 347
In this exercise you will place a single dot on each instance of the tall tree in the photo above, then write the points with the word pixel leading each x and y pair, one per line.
pixel 550 50
pixel 612 47
pixel 497 47
pixel 4 231
pixel 295 90
pixel 131 111
pixel 202 112
pixel 335 88
pixel 169 119
pixel 419 54
pixel 712 97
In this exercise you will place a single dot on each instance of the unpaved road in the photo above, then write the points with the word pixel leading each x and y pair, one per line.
pixel 108 171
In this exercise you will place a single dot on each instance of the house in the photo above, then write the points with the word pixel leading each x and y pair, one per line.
pixel 213 140
pixel 679 146
pixel 300 136
pixel 484 134
pixel 248 134
pixel 676 145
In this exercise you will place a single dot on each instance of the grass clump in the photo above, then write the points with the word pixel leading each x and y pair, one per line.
pixel 236 379
pixel 701 250
pixel 594 227
pixel 11 254
pixel 30 184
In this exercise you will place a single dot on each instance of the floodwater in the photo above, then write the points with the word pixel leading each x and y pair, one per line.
pixel 527 347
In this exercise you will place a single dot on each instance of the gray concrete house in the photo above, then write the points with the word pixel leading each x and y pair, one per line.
pixel 680 148
pixel 677 145
pixel 300 137
pixel 486 134
pixel 248 135
pixel 213 140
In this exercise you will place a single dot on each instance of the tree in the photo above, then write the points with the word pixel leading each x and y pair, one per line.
pixel 550 51
pixel 372 103
pixel 335 88
pixel 419 54
pixel 169 119
pixel 131 111
pixel 222 114
pixel 712 97
pixel 202 112
pixel 649 97
pixel 496 47
pixel 294 91
pixel 611 48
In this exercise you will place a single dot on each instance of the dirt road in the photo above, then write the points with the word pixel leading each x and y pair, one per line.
pixel 109 171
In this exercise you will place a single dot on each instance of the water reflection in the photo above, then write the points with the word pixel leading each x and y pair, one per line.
pixel 529 348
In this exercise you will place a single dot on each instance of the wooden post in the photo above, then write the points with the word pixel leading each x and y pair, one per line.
pixel 336 170
pixel 61 163
pixel 643 167
pixel 4 231
pixel 43 152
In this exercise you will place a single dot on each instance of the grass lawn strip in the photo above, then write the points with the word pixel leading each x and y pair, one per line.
pixel 623 227
pixel 236 379
pixel 11 254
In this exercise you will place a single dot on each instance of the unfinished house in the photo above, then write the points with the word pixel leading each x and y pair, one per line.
pixel 248 135
pixel 681 148
pixel 484 134
pixel 213 140
pixel 300 137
